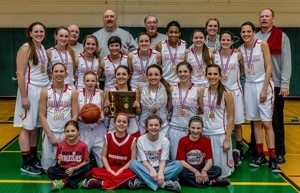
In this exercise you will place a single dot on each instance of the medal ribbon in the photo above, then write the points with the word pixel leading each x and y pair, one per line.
pixel 211 103
pixel 225 68
pixel 41 56
pixel 182 102
pixel 199 64
pixel 86 96
pixel 86 64
pixel 248 59
pixel 57 103
pixel 172 57
pixel 144 67
pixel 109 57
pixel 65 62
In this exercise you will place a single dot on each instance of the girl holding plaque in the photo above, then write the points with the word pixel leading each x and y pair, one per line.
pixel 140 59
pixel 92 134
pixel 122 76
pixel 32 77
pixel 217 105
pixel 110 63
pixel 57 105
pixel 185 104
pixel 155 95
pixel 259 94
pixel 173 52
pixel 198 56
pixel 63 53
pixel 230 62
pixel 88 60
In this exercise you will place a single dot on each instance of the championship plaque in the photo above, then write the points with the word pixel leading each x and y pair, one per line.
pixel 121 102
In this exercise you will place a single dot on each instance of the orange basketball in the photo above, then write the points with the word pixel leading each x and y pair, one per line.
pixel 90 113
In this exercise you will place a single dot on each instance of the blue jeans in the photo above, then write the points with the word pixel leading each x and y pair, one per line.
pixel 172 169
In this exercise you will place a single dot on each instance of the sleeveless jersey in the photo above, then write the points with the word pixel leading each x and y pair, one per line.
pixel 179 119
pixel 119 153
pixel 34 74
pixel 256 70
pixel 198 76
pixel 109 71
pixel 83 67
pixel 67 61
pixel 168 63
pixel 232 80
pixel 140 67
pixel 95 99
pixel 216 124
pixel 57 117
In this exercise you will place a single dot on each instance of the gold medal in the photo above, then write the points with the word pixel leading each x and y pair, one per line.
pixel 211 115
pixel 144 78
pixel 43 68
pixel 224 77
pixel 200 73
pixel 154 110
pixel 248 70
pixel 174 67
pixel 181 112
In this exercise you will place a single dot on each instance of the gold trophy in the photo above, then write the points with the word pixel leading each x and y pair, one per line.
pixel 112 107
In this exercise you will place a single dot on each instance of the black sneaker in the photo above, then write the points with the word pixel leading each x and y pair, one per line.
pixel 30 170
pixel 249 153
pixel 236 154
pixel 220 182
pixel 37 162
pixel 172 185
pixel 273 165
pixel 259 160
pixel 137 183
pixel 281 159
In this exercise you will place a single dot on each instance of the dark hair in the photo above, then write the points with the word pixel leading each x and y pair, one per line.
pixel 90 73
pixel 32 54
pixel 96 53
pixel 250 24
pixel 205 51
pixel 58 63
pixel 195 119
pixel 230 34
pixel 221 88
pixel 141 34
pixel 184 63
pixel 129 74
pixel 114 39
pixel 153 117
pixel 73 123
pixel 125 114
pixel 68 47
pixel 173 23
pixel 162 80
pixel 213 19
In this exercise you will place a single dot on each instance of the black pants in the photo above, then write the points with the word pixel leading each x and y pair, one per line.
pixel 278 122
pixel 188 178
pixel 56 173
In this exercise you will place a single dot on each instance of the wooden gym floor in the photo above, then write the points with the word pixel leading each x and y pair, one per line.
pixel 244 179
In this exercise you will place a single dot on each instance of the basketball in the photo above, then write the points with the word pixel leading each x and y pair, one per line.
pixel 90 113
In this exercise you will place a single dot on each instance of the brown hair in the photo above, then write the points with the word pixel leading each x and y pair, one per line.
pixel 96 53
pixel 162 80
pixel 205 51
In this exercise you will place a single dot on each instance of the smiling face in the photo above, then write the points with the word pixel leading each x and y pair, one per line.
pixel 122 76
pixel 37 34
pixel 247 33
pixel 90 81
pixel 226 41
pixel 195 130
pixel 114 48
pixel 144 42
pixel 154 76
pixel 62 37
pixel 213 75
pixel 173 34
pixel 183 73
pixel 153 127
pixel 198 39
pixel 72 133
pixel 212 27
pixel 90 46
pixel 59 73
pixel 121 123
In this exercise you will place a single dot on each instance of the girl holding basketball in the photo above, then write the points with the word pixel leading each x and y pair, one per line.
pixel 118 150
pixel 123 84
pixel 57 105
pixel 63 53
pixel 92 133
pixel 155 97
pixel 140 59
pixel 109 63
pixel 72 159
pixel 88 60
pixel 173 52
pixel 32 78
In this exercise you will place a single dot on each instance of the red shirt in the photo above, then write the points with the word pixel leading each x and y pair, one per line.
pixel 73 155
pixel 194 152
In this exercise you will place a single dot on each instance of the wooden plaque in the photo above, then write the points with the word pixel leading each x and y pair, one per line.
pixel 121 102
